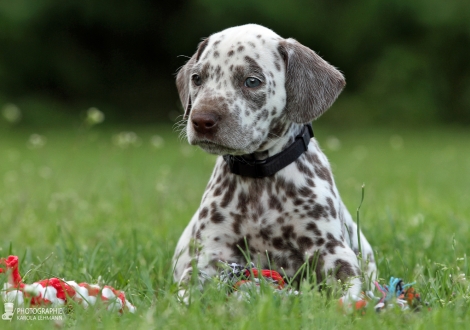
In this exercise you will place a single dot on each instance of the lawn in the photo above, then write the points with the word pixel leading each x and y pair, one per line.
pixel 112 202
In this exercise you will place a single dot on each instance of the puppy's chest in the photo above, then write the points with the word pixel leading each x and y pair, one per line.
pixel 262 221
pixel 266 211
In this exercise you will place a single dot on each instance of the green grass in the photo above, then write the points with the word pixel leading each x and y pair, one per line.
pixel 93 208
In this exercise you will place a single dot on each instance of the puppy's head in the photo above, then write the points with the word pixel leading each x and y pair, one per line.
pixel 245 85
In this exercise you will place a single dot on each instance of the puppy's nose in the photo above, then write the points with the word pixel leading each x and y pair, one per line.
pixel 204 122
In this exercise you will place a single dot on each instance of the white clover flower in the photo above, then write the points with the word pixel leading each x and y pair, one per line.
pixel 11 113
pixel 187 151
pixel 126 139
pixel 94 116
pixel 45 172
pixel 161 186
pixel 461 278
pixel 360 152
pixel 157 141
pixel 36 141
pixel 333 143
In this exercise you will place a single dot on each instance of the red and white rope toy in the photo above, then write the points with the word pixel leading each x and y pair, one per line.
pixel 241 281
pixel 57 292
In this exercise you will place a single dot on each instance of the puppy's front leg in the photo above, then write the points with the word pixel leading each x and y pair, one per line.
pixel 184 292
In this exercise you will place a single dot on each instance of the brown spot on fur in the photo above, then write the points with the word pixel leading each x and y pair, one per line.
pixel 216 216
pixel 259 210
pixel 305 191
pixel 320 170
pixel 264 115
pixel 303 168
pixel 242 202
pixel 266 233
pixel 274 203
pixel 253 65
pixel 218 72
pixel 203 213
pixel 229 192
pixel 324 174
pixel 304 243
pixel 288 232
pixel 205 70
pixel 312 226
pixel 237 222
pixel 343 269
pixel 290 189
pixel 236 227
pixel 277 128
pixel 255 190
pixel 332 207
pixel 332 243
pixel 318 212
pixel 278 243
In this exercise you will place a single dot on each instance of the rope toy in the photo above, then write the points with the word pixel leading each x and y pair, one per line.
pixel 399 293
pixel 242 280
pixel 57 292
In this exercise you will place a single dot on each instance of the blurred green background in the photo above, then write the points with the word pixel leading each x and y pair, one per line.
pixel 81 201
pixel 406 62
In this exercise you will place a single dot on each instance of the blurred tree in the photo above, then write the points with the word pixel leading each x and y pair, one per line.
pixel 405 61
pixel 89 53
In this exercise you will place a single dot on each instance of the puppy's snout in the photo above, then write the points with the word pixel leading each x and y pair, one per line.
pixel 204 122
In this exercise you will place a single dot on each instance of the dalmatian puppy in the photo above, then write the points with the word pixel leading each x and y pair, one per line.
pixel 249 96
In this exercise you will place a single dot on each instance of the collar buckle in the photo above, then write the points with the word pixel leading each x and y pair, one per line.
pixel 306 137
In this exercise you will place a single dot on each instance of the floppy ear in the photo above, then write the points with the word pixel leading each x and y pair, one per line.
pixel 312 84
pixel 183 78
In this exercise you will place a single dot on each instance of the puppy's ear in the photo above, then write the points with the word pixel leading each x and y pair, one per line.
pixel 183 78
pixel 312 84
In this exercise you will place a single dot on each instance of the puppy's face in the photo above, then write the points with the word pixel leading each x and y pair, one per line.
pixel 238 84
pixel 235 89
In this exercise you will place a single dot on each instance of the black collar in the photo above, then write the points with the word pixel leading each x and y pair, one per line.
pixel 269 166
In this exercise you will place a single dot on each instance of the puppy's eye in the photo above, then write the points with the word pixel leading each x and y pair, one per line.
pixel 196 79
pixel 252 82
